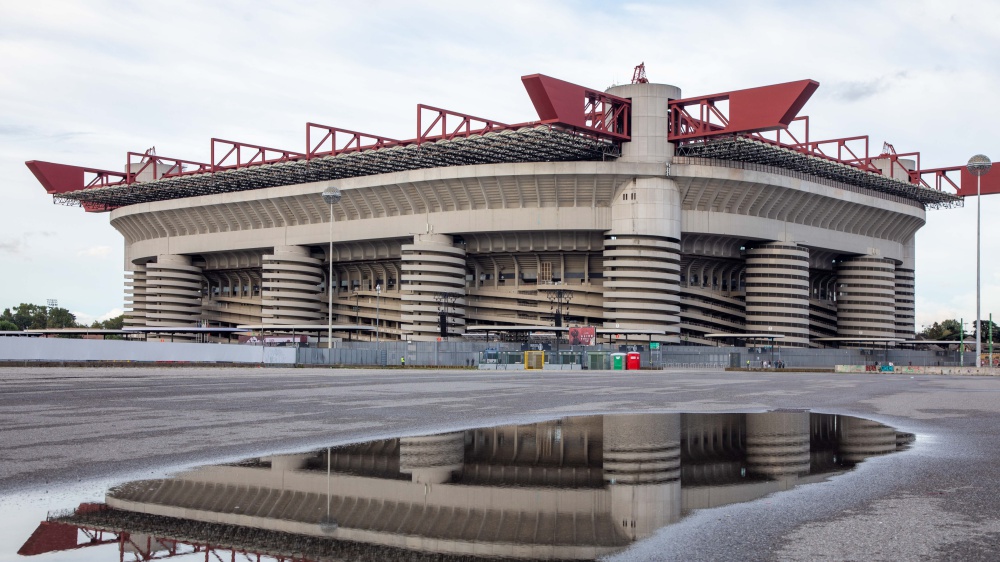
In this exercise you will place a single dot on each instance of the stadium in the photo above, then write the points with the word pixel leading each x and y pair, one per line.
pixel 634 210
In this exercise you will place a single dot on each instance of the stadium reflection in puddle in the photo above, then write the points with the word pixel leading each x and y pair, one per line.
pixel 574 488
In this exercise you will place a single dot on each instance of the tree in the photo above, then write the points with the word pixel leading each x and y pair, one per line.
pixel 952 330
pixel 946 330
pixel 60 318
pixel 8 326
pixel 26 316
pixel 116 323
pixel 987 327
pixel 34 317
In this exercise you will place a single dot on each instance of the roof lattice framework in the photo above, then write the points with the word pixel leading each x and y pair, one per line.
pixel 529 144
pixel 742 149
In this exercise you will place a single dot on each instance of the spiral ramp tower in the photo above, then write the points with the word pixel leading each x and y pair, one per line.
pixel 433 280
pixel 135 297
pixel 290 291
pixel 432 459
pixel 778 444
pixel 866 306
pixel 642 283
pixel 173 292
pixel 905 305
pixel 642 248
pixel 642 466
pixel 860 438
pixel 777 291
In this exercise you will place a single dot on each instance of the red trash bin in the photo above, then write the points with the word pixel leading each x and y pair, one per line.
pixel 632 361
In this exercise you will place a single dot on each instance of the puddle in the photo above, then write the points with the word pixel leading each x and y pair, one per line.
pixel 576 488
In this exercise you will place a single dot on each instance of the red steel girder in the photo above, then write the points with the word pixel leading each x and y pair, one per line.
pixel 966 184
pixel 163 167
pixel 852 151
pixel 462 125
pixel 753 110
pixel 559 103
pixel 990 182
pixel 893 159
pixel 355 141
pixel 639 74
pixel 940 176
pixel 787 137
pixel 63 178
pixel 52 536
pixel 579 108
pixel 246 155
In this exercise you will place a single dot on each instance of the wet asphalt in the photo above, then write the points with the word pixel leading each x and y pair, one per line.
pixel 938 500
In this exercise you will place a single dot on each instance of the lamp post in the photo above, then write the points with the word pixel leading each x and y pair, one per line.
pixel 978 166
pixel 329 524
pixel 961 342
pixel 357 311
pixel 378 293
pixel 331 195
pixel 558 298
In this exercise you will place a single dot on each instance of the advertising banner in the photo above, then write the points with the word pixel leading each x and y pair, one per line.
pixel 582 335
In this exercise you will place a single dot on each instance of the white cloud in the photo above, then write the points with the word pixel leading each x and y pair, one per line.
pixel 95 252
pixel 88 319
pixel 921 75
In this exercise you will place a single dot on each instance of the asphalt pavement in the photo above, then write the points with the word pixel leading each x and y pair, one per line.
pixel 60 427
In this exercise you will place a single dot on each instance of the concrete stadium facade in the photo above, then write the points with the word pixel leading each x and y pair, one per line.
pixel 642 240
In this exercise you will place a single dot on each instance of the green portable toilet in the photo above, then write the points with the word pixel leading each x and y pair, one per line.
pixel 618 361
pixel 597 360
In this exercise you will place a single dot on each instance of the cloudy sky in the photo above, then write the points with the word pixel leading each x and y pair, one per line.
pixel 85 82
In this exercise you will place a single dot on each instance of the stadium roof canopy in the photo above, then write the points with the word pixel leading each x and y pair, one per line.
pixel 753 151
pixel 575 123
pixel 539 143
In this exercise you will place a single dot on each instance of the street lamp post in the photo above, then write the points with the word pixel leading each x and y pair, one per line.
pixel 978 166
pixel 378 294
pixel 357 311
pixel 558 298
pixel 331 195
pixel 961 342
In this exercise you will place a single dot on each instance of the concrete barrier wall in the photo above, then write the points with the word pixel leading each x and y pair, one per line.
pixel 908 370
pixel 414 354
pixel 444 354
pixel 679 356
pixel 60 349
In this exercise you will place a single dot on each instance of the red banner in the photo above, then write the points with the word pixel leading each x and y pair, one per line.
pixel 582 335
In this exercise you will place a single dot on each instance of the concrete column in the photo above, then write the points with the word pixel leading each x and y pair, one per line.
pixel 173 292
pixel 290 288
pixel 281 463
pixel 777 291
pixel 777 444
pixel 135 297
pixel 642 259
pixel 431 267
pixel 866 292
pixel 650 118
pixel 861 438
pixel 642 249
pixel 905 306
pixel 905 290
pixel 642 466
pixel 432 459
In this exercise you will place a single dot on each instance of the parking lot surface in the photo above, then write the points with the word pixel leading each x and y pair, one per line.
pixel 64 427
